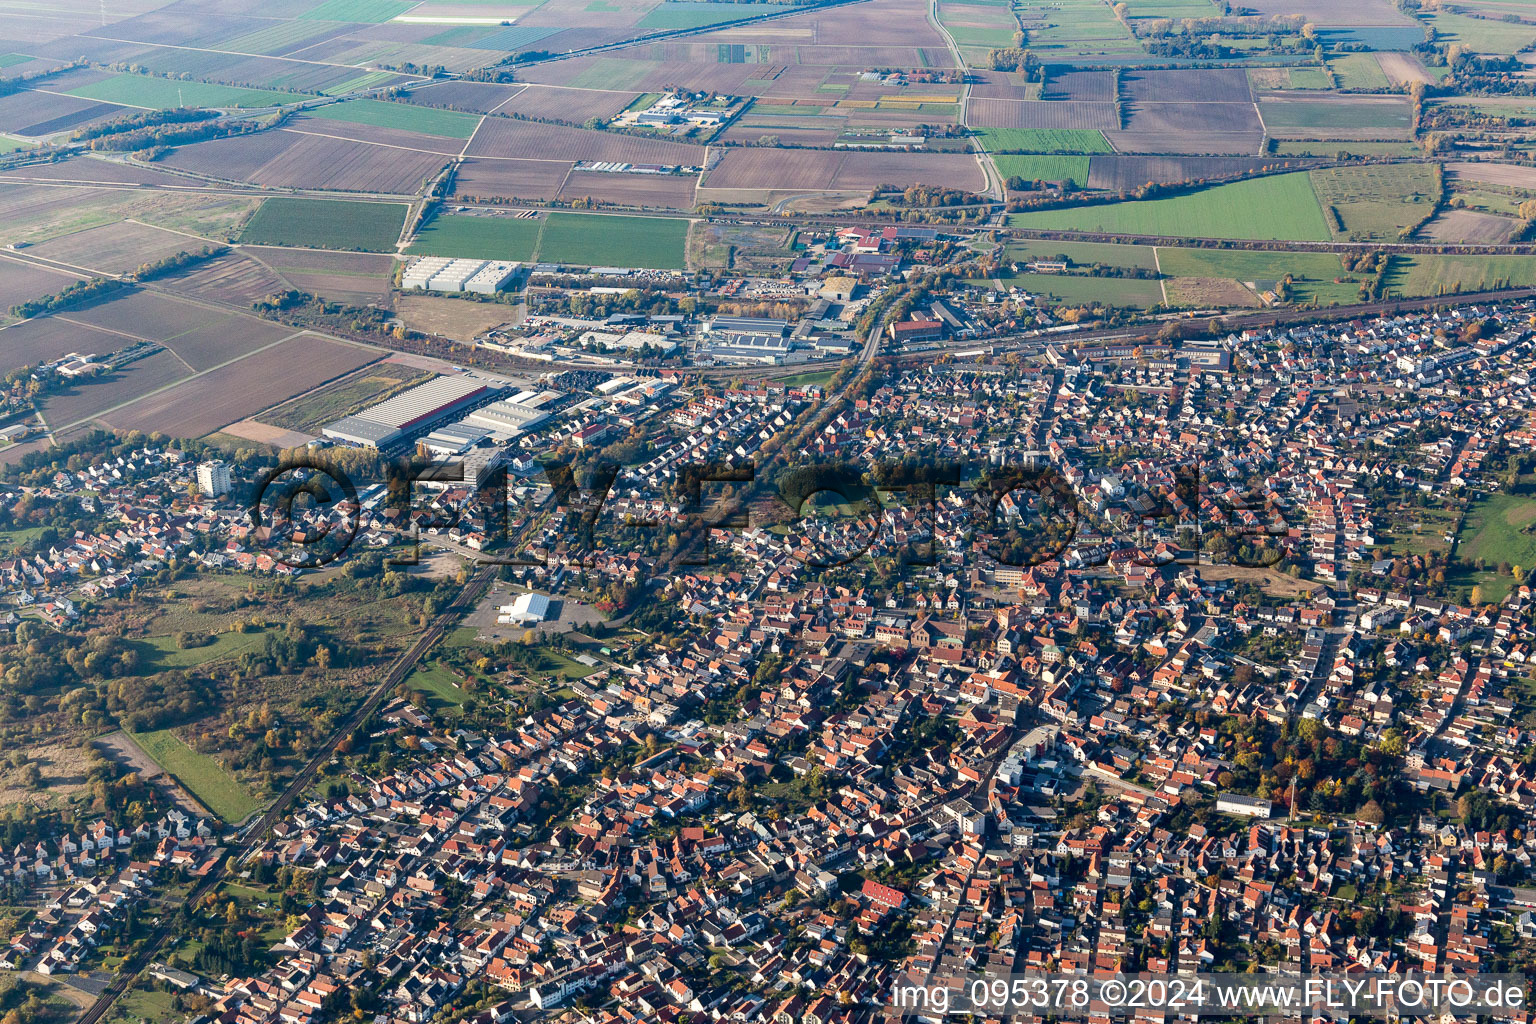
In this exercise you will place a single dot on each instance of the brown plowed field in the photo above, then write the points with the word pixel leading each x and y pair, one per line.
pixel 472 97
pixel 505 137
pixel 1042 114
pixel 374 135
pixel 1120 173
pixel 36 341
pixel 287 159
pixel 831 169
pixel 95 395
pixel 1470 226
pixel 510 179
pixel 1512 175
pixel 669 191
pixel 229 278
pixel 204 404
pixel 567 104
pixel 116 248
pixel 1217 85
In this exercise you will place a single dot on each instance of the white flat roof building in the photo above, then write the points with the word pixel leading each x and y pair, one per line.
pixel 528 608
pixel 447 274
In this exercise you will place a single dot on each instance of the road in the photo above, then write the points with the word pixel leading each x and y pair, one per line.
pixel 255 833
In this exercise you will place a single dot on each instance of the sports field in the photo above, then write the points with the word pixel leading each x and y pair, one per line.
pixel 447 124
pixel 164 93
pixel 205 777
pixel 1282 207
pixel 1043 140
pixel 326 224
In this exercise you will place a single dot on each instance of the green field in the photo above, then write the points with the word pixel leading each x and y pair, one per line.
pixel 1377 202
pixel 1497 528
pixel 205 777
pixel 1358 71
pixel 1128 292
pixel 440 685
pixel 1321 148
pixel 163 653
pixel 1081 253
pixel 585 239
pixel 1343 112
pixel 446 124
pixel 655 243
pixel 680 14
pixel 481 237
pixel 1424 274
pixel 366 80
pixel 1044 168
pixel 10 145
pixel 1280 207
pixel 368 11
pixel 1312 273
pixel 326 224
pixel 165 93
pixel 10 60
pixel 1482 35
pixel 1042 140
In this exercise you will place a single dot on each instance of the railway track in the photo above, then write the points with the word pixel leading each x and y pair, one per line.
pixel 255 833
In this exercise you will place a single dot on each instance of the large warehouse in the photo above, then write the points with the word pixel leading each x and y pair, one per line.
pixel 413 411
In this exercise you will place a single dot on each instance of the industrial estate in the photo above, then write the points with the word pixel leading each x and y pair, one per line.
pixel 766 512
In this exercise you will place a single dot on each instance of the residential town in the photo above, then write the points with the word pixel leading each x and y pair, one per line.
pixel 1237 704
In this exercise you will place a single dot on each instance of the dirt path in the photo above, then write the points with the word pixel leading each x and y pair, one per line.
pixel 118 747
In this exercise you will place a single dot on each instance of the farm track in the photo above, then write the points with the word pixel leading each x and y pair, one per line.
pixel 256 832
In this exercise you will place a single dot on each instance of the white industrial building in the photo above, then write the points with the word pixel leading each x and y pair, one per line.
pixel 419 408
pixel 527 609
pixel 507 418
pixel 445 274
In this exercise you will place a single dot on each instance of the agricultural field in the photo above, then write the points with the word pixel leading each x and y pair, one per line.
pixel 1069 289
pixel 368 386
pixel 210 400
pixel 1324 116
pixel 1042 140
pixel 1358 71
pixel 1282 207
pixel 448 124
pixel 327 224
pixel 1377 203
pixel 1072 169
pixel 1316 278
pixel 614 241
pixel 357 278
pixel 156 93
pixel 207 780
pixel 1433 274
pixel 484 236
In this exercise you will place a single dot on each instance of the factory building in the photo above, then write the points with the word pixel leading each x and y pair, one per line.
pixel 506 418
pixel 413 411
pixel 443 274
